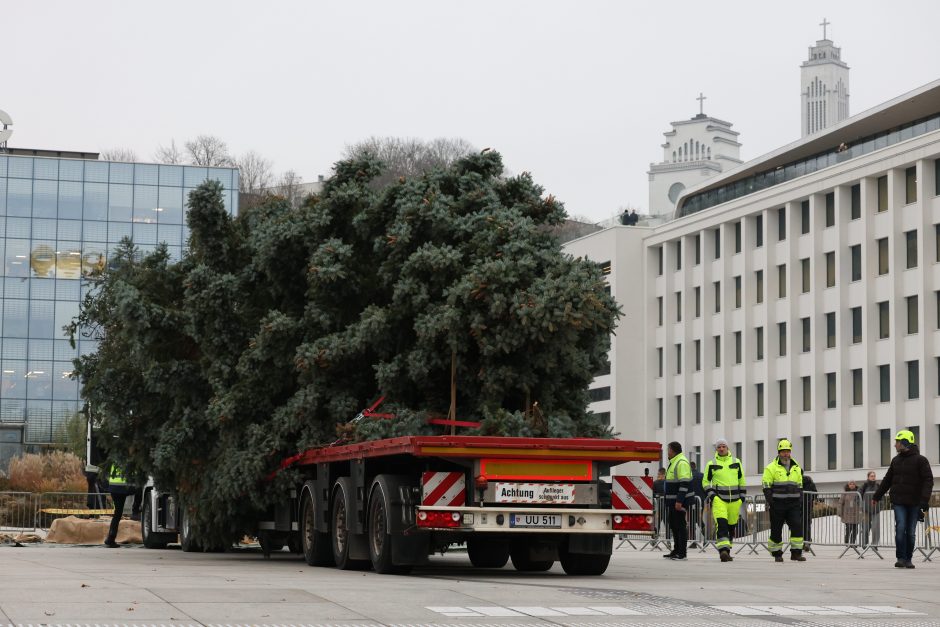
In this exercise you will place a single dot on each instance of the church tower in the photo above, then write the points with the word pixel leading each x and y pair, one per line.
pixel 825 86
pixel 694 150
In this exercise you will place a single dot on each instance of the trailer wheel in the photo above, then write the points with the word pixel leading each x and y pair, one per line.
pixel 380 540
pixel 315 545
pixel 488 552
pixel 152 540
pixel 587 564
pixel 340 535
pixel 187 542
pixel 520 553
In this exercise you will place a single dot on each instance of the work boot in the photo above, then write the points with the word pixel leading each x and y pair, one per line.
pixel 669 555
pixel 725 555
pixel 778 556
pixel 909 564
pixel 111 544
pixel 797 556
pixel 899 564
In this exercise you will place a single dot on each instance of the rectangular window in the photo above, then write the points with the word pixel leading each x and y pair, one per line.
pixel 856 254
pixel 717 405
pixel 886 446
pixel 737 347
pixel 678 306
pixel 717 285
pixel 737 403
pixel 884 383
pixel 717 243
pixel 856 324
pixel 599 394
pixel 758 231
pixel 882 193
pixel 697 399
pixel 678 249
pixel 804 276
pixel 759 337
pixel 910 185
pixel 910 240
pixel 856 208
pixel 659 310
pixel 807 452
pixel 831 329
pixel 659 260
pixel 857 396
pixel 804 217
pixel 659 361
pixel 678 358
pixel 937 297
pixel 659 412
pixel 831 395
pixel 697 297
pixel 782 281
pixel 913 380
pixel 737 292
pixel 831 450
pixel 737 237
pixel 737 450
pixel 781 224
pixel 760 456
pixel 718 351
pixel 857 449
pixel 830 209
pixel 782 396
pixel 698 354
pixel 804 324
pixel 697 249
pixel 678 410
pixel 759 287
pixel 913 322
pixel 759 390
pixel 884 320
pixel 807 392
pixel 782 339
pixel 830 269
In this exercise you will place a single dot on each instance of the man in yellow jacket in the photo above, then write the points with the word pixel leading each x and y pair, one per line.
pixel 678 484
pixel 783 488
pixel 723 481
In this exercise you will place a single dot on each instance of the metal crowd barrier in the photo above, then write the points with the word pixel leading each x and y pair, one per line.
pixel 54 505
pixel 662 535
pixel 18 511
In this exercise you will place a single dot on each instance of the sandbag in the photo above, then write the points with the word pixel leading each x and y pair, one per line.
pixel 74 530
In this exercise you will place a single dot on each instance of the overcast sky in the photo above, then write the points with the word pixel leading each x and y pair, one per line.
pixel 577 93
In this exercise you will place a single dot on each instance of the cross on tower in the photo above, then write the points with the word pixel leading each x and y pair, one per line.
pixel 701 103
pixel 824 24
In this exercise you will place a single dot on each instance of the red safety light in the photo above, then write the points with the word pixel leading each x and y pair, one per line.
pixel 480 482
pixel 632 522
pixel 435 520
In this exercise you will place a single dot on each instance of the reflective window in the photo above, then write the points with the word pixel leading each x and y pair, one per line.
pixel 120 202
pixel 70 200
pixel 70 170
pixel 19 197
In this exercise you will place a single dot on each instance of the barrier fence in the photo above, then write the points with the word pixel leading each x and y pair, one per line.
pixel 28 511
pixel 832 519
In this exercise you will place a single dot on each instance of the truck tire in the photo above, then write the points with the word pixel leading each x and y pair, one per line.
pixel 380 539
pixel 520 552
pixel 340 536
pixel 586 564
pixel 315 545
pixel 187 542
pixel 488 552
pixel 152 539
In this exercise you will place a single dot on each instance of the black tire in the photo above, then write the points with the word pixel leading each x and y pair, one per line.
pixel 295 544
pixel 152 540
pixel 315 545
pixel 584 564
pixel 187 541
pixel 488 552
pixel 522 559
pixel 380 540
pixel 339 528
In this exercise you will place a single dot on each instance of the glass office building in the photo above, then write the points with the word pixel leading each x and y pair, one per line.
pixel 58 220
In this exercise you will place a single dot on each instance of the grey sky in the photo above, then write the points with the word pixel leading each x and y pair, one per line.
pixel 577 93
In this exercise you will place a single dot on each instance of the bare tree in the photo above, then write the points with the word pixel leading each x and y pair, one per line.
pixel 254 173
pixel 168 154
pixel 208 150
pixel 118 154
pixel 289 186
pixel 407 156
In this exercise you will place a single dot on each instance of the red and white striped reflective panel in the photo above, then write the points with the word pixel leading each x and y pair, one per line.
pixel 632 493
pixel 443 489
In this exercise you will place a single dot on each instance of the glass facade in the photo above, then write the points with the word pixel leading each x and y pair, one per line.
pixel 59 218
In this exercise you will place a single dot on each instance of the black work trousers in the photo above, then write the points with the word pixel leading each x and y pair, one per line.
pixel 119 499
pixel 679 528
pixel 792 515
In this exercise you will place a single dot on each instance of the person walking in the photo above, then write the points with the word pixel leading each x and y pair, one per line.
pixel 724 488
pixel 910 482
pixel 783 489
pixel 120 489
pixel 871 516
pixel 850 506
pixel 810 497
pixel 678 484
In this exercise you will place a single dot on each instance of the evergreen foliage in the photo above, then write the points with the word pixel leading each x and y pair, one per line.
pixel 280 325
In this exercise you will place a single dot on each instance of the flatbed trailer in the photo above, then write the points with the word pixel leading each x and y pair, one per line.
pixel 392 503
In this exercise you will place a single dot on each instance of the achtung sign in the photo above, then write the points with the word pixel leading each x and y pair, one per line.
pixel 561 493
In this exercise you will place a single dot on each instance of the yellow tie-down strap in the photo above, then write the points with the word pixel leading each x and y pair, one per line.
pixel 59 511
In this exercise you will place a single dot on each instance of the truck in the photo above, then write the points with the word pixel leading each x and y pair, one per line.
pixel 390 504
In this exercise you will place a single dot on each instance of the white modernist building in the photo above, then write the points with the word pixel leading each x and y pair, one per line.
pixel 824 79
pixel 797 296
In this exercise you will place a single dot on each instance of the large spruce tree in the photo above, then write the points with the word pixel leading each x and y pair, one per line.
pixel 280 325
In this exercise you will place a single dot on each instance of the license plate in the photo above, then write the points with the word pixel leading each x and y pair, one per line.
pixel 541 521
